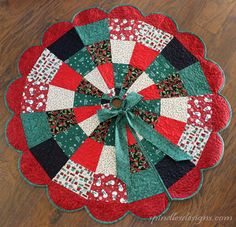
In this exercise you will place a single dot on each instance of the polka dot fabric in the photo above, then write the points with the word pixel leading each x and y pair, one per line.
pixel 77 72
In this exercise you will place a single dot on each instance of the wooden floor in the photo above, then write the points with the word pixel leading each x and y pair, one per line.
pixel 22 23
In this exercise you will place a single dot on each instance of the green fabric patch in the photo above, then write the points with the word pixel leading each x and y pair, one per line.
pixel 149 106
pixel 94 32
pixel 36 128
pixel 85 100
pixel 194 80
pixel 120 71
pixel 154 155
pixel 110 137
pixel 160 69
pixel 81 62
pixel 143 184
pixel 70 140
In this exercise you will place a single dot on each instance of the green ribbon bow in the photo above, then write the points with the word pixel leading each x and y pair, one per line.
pixel 138 126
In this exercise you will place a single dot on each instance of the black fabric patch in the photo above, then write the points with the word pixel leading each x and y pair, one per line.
pixel 50 156
pixel 171 171
pixel 104 101
pixel 67 45
pixel 178 55
pixel 117 91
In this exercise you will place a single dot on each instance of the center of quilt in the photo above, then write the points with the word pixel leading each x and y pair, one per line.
pixel 116 102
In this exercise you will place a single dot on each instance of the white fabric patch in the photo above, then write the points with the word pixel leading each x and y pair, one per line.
pixel 89 124
pixel 107 161
pixel 59 98
pixel 153 38
pixel 193 140
pixel 45 68
pixel 142 82
pixel 75 177
pixel 121 51
pixel 175 108
pixel 95 78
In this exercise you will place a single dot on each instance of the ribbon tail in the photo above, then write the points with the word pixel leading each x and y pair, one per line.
pixel 156 139
pixel 158 177
pixel 122 152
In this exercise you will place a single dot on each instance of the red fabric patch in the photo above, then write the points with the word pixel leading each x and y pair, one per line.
pixel 15 134
pixel 64 197
pixel 162 22
pixel 149 207
pixel 14 95
pixel 32 170
pixel 221 113
pixel 107 73
pixel 127 12
pixel 61 78
pixel 89 16
pixel 142 56
pixel 212 152
pixel 187 185
pixel 28 59
pixel 130 137
pixel 150 93
pixel 192 43
pixel 88 154
pixel 107 212
pixel 55 31
pixel 84 112
pixel 213 75
pixel 164 125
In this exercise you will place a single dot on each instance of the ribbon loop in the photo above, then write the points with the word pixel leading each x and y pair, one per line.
pixel 131 100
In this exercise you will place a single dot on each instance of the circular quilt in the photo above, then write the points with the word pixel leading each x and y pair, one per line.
pixel 117 112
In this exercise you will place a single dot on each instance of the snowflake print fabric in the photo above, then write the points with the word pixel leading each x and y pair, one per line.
pixel 117 112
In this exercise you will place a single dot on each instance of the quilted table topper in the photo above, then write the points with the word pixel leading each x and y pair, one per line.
pixel 118 113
